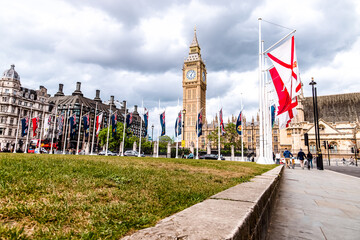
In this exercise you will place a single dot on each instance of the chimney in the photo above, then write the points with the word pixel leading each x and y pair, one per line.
pixel 60 91
pixel 124 104
pixel 112 100
pixel 97 96
pixel 77 90
pixel 135 108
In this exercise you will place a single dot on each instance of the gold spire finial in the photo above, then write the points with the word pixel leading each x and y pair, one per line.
pixel 195 28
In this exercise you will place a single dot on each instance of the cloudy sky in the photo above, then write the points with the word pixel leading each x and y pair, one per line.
pixel 135 49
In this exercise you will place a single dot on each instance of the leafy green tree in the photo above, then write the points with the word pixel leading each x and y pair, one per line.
pixel 231 137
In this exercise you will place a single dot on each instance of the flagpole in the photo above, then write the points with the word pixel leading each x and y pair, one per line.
pixel 242 131
pixel 219 158
pixel 108 131
pixel 197 129
pixel 64 133
pixel 94 128
pixel 123 141
pixel 177 135
pixel 27 135
pixel 79 131
pixel 157 152
pixel 43 116
pixel 17 131
pixel 53 133
pixel 142 106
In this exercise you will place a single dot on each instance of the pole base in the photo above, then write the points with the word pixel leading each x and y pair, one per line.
pixel 263 160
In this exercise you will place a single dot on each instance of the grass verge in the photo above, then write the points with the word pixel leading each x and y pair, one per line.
pixel 97 197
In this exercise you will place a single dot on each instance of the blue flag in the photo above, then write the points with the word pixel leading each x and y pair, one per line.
pixel 199 124
pixel 176 127
pixel 114 123
pixel 86 121
pixel 129 119
pixel 272 115
pixel 24 126
pixel 146 121
pixel 162 123
pixel 72 120
pixel 238 124
pixel 179 124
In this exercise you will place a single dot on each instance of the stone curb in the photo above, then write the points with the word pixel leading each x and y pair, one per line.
pixel 240 212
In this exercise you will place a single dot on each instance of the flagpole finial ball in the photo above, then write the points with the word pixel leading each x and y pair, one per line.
pixel 259 19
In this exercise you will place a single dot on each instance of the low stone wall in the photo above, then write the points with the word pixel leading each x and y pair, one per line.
pixel 240 212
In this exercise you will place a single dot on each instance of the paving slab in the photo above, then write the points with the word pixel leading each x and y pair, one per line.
pixel 316 205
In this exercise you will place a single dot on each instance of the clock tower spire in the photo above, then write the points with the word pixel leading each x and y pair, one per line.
pixel 194 92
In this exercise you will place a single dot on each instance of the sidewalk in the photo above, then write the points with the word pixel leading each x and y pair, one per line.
pixel 316 205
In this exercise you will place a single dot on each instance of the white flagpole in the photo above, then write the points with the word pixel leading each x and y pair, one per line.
pixel 142 106
pixel 28 130
pixel 66 127
pixel 43 116
pixel 108 131
pixel 79 131
pixel 123 141
pixel 177 137
pixel 17 131
pixel 94 128
pixel 219 158
pixel 53 133
pixel 197 129
pixel 242 131
pixel 157 152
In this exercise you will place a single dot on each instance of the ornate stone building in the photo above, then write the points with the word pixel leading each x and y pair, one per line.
pixel 16 103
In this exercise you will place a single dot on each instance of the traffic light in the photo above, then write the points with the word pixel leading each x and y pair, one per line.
pixel 325 144
pixel 306 139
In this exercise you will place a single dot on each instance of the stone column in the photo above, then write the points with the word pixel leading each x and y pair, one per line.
pixel 232 153
pixel 168 155
pixel 208 148
pixel 155 149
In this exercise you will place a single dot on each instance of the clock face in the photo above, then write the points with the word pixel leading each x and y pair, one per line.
pixel 190 74
pixel 204 76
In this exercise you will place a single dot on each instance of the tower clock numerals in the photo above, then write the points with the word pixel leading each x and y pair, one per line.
pixel 190 74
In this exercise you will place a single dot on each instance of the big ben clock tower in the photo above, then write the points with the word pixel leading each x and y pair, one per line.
pixel 194 92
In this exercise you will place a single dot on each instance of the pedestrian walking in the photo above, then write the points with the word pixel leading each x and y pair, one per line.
pixel 287 155
pixel 309 159
pixel 277 157
pixel 301 157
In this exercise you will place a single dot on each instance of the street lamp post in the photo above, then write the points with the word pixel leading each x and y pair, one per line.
pixel 319 160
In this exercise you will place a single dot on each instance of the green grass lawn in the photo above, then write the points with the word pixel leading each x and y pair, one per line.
pixel 97 197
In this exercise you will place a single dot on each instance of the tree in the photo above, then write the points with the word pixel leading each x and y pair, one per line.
pixel 231 137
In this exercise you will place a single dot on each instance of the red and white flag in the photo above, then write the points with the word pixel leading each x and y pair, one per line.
pixel 98 123
pixel 286 107
pixel 35 121
pixel 285 62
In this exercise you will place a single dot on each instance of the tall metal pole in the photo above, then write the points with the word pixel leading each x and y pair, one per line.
pixel 197 129
pixel 43 116
pixel 261 136
pixel 17 131
pixel 242 131
pixel 321 167
pixel 94 128
pixel 79 131
pixel 142 106
pixel 158 141
pixel 53 133
pixel 123 141
pixel 28 131
pixel 108 131
pixel 66 127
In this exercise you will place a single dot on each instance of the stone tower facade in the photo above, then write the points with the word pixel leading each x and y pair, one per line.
pixel 194 92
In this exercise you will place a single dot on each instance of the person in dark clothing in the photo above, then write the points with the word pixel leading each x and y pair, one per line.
pixel 309 159
pixel 301 157
pixel 287 155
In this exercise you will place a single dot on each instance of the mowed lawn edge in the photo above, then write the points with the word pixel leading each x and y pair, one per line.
pixel 98 197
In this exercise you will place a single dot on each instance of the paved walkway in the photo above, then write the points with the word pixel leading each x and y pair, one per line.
pixel 316 205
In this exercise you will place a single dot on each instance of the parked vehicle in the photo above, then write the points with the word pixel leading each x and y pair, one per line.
pixel 211 156
pixel 131 153
pixel 109 153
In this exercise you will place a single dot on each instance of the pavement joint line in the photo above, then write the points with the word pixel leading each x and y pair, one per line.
pixel 234 200
pixel 343 174
pixel 323 233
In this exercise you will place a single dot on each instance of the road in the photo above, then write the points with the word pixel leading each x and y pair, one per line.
pixel 349 170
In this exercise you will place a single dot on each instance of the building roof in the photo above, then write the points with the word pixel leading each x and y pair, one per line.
pixel 334 108
pixel 11 73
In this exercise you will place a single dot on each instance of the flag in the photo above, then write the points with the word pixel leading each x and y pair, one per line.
pixel 24 126
pixel 98 123
pixel 222 128
pixel 176 126
pixel 199 124
pixel 146 120
pixel 114 123
pixel 60 126
pixel 129 119
pixel 286 107
pixel 35 122
pixel 47 124
pixel 179 124
pixel 272 110
pixel 238 124
pixel 86 120
pixel 72 120
pixel 285 62
pixel 162 123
